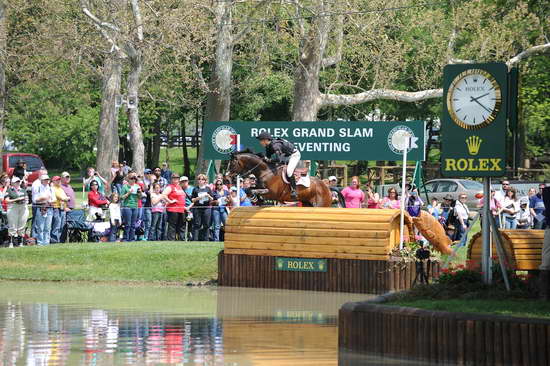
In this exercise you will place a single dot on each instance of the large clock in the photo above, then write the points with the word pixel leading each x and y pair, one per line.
pixel 474 99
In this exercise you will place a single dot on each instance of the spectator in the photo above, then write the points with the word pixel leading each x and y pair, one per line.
pixel 165 172
pixel 93 175
pixel 219 176
pixel 96 202
pixel 4 186
pixel 500 194
pixel 125 168
pixel 20 172
pixel 337 199
pixel 373 199
pixel 353 195
pixel 115 217
pixel 202 213
pixel 175 208
pixel 234 199
pixel 69 191
pixel 146 213
pixel 130 194
pixel 536 206
pixel 117 177
pixel 159 178
pixel 245 200
pixel 462 214
pixel 17 212
pixel 34 187
pixel 510 208
pixel 434 208
pixel 219 212
pixel 524 218
pixel 414 202
pixel 58 210
pixel 391 200
pixel 42 197
pixel 495 207
pixel 158 208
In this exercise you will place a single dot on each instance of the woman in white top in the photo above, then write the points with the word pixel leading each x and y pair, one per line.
pixel 462 214
pixel 510 209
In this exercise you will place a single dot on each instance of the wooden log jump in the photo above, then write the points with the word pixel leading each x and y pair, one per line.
pixel 349 250
pixel 523 248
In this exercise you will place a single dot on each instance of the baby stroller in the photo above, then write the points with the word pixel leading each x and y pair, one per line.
pixel 77 226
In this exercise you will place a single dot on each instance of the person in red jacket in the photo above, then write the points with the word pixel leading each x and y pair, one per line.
pixel 175 208
pixel 96 201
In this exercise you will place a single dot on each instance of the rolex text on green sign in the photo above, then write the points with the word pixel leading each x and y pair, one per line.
pixel 473 124
pixel 301 264
pixel 338 140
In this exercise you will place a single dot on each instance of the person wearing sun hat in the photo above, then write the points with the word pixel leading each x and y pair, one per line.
pixel 17 212
pixel 42 197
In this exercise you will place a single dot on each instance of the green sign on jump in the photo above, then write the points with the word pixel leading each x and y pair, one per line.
pixel 301 264
pixel 338 140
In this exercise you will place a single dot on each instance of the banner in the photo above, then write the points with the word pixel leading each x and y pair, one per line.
pixel 338 140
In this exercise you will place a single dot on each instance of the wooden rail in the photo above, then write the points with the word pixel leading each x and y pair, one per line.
pixel 523 248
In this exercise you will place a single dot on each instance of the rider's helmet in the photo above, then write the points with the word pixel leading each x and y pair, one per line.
pixel 264 136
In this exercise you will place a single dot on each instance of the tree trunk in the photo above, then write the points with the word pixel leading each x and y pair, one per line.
pixel 306 102
pixel 107 136
pixel 218 103
pixel 3 61
pixel 155 155
pixel 136 135
pixel 186 163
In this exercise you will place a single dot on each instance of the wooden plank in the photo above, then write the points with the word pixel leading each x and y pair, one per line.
pixel 537 246
pixel 329 249
pixel 528 252
pixel 306 232
pixel 527 265
pixel 279 253
pixel 310 224
pixel 296 239
pixel 324 217
pixel 312 210
pixel 534 257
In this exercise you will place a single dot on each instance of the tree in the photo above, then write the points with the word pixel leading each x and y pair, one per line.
pixel 124 36
pixel 3 66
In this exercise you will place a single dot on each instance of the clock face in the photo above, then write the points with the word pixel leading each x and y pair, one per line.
pixel 473 99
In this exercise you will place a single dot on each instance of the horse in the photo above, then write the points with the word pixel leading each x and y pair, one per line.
pixel 270 177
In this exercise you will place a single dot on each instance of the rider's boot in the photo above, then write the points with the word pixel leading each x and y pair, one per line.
pixel 292 181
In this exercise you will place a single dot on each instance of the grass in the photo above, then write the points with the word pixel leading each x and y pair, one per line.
pixel 178 262
pixel 519 308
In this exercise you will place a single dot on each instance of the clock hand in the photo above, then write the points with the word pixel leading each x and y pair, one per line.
pixel 472 99
pixel 481 96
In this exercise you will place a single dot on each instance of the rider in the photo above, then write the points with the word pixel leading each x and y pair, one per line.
pixel 282 151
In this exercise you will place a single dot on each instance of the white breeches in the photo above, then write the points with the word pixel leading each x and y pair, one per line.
pixel 292 163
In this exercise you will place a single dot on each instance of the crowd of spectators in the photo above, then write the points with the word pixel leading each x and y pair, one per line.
pixel 509 210
pixel 162 205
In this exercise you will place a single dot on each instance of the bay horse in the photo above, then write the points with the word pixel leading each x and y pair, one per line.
pixel 270 177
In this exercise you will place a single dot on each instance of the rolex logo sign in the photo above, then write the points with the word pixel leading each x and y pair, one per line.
pixel 473 143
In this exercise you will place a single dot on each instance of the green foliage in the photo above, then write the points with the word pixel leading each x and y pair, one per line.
pixel 59 125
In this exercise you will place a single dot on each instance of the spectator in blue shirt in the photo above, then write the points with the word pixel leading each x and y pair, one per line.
pixel 536 206
pixel 165 172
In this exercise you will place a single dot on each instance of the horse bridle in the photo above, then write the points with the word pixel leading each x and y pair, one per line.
pixel 251 170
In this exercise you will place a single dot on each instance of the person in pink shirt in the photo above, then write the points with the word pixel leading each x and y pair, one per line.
pixel 353 195
pixel 391 200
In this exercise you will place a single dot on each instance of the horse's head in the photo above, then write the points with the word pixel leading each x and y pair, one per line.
pixel 242 162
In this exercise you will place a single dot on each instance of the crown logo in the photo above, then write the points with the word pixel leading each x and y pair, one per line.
pixel 473 143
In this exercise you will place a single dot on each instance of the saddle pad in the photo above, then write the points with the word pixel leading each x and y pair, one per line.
pixel 283 175
pixel 304 181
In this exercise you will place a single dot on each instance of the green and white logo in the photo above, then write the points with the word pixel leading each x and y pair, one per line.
pixel 398 139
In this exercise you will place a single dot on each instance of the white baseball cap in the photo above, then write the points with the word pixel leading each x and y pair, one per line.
pixel 15 180
pixel 44 177
pixel 183 178
pixel 332 177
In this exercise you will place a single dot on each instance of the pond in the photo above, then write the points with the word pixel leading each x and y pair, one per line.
pixel 99 324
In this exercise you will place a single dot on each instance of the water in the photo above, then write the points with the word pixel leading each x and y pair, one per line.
pixel 87 324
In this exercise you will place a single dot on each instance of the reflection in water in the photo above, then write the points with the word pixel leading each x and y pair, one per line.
pixel 50 324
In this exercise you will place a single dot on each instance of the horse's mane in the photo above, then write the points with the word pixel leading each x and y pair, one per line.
pixel 245 151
